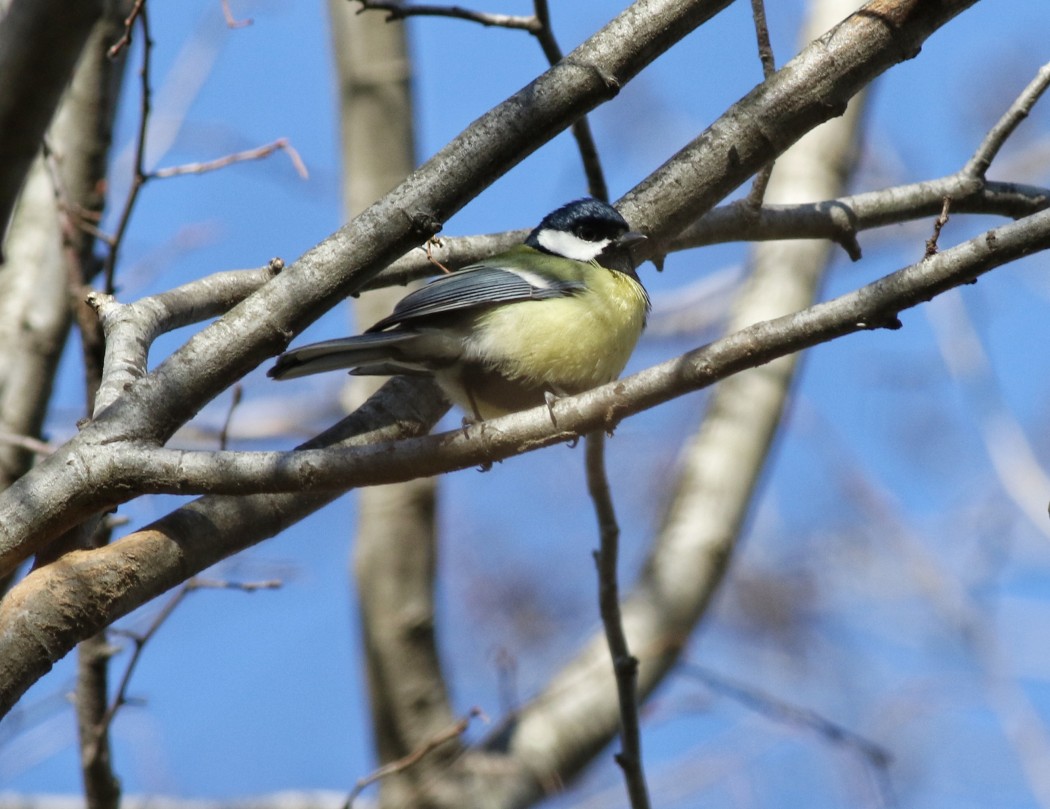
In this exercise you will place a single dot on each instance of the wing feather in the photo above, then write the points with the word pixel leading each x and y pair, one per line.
pixel 474 287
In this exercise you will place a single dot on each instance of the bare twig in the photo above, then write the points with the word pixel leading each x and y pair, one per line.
pixel 399 10
pixel 237 157
pixel 765 55
pixel 996 137
pixel 224 433
pixel 456 729
pixel 539 25
pixel 34 445
pixel 939 223
pixel 875 755
pixel 125 38
pixel 197 583
pixel 625 666
pixel 139 641
pixel 581 129
pixel 231 21
pixel 139 175
pixel 765 47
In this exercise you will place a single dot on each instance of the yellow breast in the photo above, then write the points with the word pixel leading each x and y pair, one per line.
pixel 568 344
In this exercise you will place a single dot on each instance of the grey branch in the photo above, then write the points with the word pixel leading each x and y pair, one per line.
pixel 126 469
pixel 985 154
pixel 624 664
pixel 399 10
pixel 130 329
pixel 185 542
pixel 66 487
pixel 160 555
pixel 41 39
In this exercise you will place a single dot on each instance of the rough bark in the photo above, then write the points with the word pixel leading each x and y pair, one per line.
pixel 42 39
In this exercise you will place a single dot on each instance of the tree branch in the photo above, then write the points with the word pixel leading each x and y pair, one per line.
pixel 113 580
pixel 400 10
pixel 841 219
pixel 624 664
pixel 130 329
pixel 453 731
pixel 141 469
pixel 41 39
pixel 765 56
pixel 139 176
pixel 788 105
pixel 258 153
pixel 978 164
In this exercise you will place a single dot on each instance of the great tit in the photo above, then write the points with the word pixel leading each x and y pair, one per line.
pixel 555 316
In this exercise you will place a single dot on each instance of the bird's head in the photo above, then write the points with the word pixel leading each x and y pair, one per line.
pixel 587 230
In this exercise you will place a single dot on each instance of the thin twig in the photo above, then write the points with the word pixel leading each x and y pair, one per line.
pixel 938 224
pixel 765 47
pixel 27 442
pixel 539 25
pixel 877 756
pixel 978 165
pixel 625 666
pixel 456 729
pixel 224 433
pixel 120 698
pixel 581 129
pixel 197 583
pixel 765 55
pixel 139 176
pixel 125 38
pixel 74 214
pixel 398 10
pixel 257 153
pixel 231 21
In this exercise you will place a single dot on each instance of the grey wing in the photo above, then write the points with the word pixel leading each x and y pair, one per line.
pixel 475 287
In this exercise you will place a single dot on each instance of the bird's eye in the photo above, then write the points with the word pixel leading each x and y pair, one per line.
pixel 587 233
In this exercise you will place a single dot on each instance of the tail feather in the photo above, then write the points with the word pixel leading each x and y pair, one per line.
pixel 381 353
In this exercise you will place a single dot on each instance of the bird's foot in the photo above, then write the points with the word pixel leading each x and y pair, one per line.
pixel 551 399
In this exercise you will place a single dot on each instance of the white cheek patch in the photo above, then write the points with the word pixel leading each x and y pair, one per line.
pixel 569 245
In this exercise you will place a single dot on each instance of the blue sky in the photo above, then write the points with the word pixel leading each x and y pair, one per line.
pixel 250 694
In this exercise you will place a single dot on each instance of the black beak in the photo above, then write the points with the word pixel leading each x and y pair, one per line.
pixel 630 239
pixel 619 254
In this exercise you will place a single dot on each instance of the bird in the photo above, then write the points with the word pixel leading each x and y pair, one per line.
pixel 552 317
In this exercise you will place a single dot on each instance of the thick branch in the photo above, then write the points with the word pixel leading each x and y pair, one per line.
pixel 130 329
pixel 795 100
pixel 841 219
pixel 131 468
pixel 41 39
pixel 46 248
pixel 113 580
pixel 36 629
